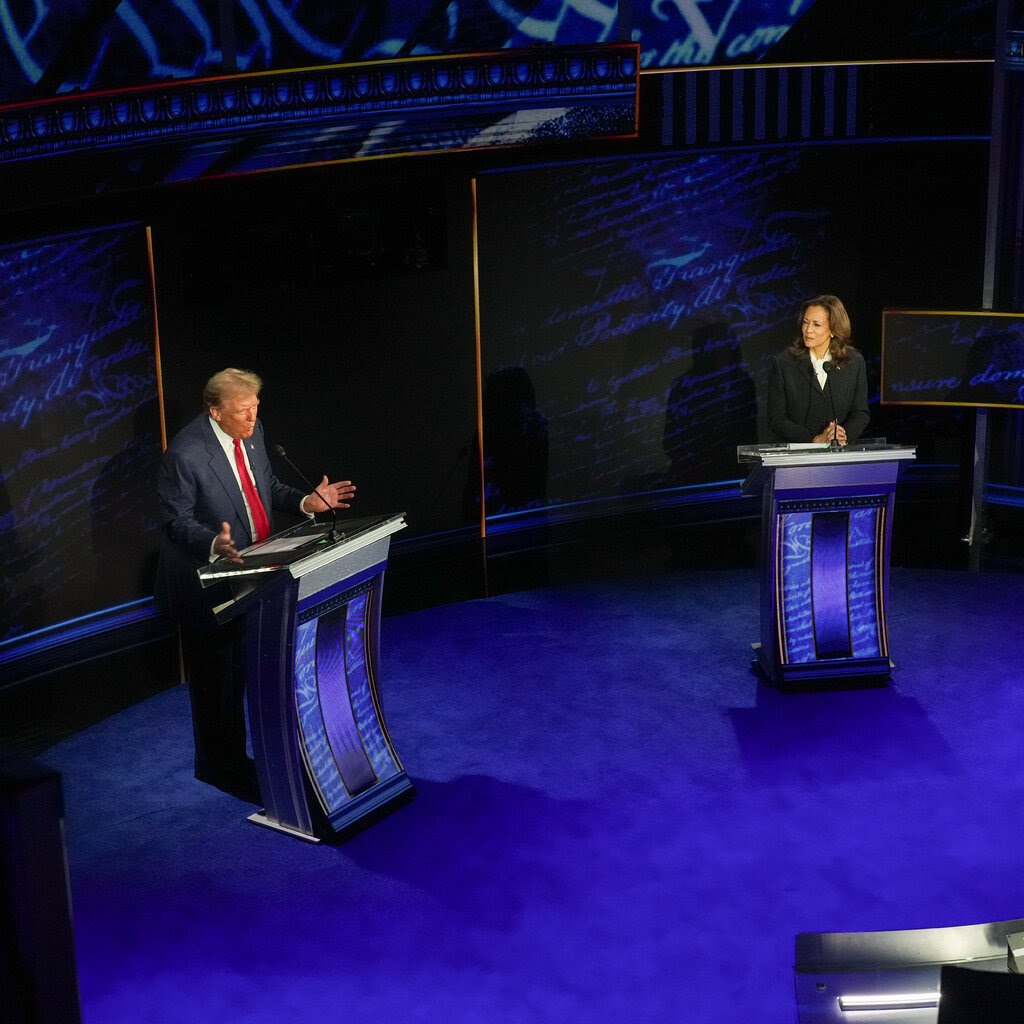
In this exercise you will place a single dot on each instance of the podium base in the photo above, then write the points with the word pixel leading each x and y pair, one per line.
pixel 369 807
pixel 260 818
pixel 837 674
pixel 362 812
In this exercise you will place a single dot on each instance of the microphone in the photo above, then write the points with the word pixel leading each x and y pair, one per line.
pixel 828 366
pixel 335 534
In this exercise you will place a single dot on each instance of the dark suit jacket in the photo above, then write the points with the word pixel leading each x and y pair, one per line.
pixel 197 492
pixel 798 409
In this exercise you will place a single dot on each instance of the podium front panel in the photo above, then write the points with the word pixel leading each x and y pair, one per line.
pixel 826 528
pixel 345 744
pixel 829 582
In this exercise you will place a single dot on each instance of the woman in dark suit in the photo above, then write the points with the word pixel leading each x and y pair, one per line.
pixel 818 388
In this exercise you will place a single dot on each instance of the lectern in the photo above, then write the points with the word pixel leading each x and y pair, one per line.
pixel 826 528
pixel 310 598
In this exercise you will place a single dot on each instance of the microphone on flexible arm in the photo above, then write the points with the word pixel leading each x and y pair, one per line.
pixel 828 366
pixel 335 534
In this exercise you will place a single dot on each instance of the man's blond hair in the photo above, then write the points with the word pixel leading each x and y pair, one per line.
pixel 230 383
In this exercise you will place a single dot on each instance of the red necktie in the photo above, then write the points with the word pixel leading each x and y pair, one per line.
pixel 259 514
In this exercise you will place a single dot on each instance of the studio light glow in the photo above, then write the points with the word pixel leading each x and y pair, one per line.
pixel 890 1001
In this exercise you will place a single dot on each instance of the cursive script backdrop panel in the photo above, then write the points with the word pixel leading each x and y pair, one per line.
pixel 79 426
pixel 630 309
pixel 639 298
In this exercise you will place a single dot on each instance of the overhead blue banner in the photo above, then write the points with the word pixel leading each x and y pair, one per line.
pixel 52 48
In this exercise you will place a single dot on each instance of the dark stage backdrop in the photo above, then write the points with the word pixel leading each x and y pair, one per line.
pixel 350 292
pixel 618 298
pixel 79 426
pixel 630 309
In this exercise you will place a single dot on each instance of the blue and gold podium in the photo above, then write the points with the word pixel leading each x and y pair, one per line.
pixel 311 602
pixel 826 529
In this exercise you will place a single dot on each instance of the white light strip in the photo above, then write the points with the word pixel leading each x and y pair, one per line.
pixel 893 1001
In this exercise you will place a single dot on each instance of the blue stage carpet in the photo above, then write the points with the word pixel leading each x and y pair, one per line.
pixel 616 820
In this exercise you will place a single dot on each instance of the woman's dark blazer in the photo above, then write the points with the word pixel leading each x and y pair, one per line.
pixel 799 410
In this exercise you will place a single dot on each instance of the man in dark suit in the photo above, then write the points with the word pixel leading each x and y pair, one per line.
pixel 217 493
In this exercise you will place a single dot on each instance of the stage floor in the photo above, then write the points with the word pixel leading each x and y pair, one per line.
pixel 616 819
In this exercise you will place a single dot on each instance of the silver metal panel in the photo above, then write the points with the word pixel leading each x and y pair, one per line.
pixel 831 966
pixel 313 579
pixel 776 455
pixel 805 475
pixel 865 951
pixel 350 547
